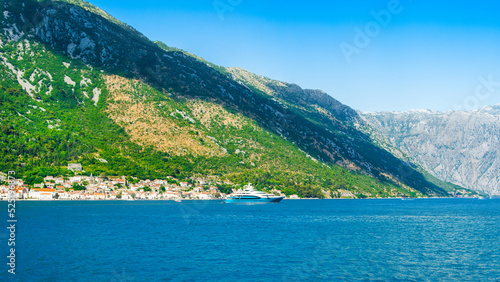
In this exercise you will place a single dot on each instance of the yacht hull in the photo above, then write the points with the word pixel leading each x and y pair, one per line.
pixel 253 200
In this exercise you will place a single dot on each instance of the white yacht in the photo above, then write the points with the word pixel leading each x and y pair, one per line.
pixel 250 195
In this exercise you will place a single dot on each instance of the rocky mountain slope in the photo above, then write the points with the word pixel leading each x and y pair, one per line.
pixel 462 147
pixel 80 86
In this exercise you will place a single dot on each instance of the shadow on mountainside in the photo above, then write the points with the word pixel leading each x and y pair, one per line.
pixel 118 49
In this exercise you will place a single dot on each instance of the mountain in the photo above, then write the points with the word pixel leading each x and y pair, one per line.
pixel 462 147
pixel 80 86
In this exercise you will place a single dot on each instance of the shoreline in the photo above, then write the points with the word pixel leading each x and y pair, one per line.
pixel 175 200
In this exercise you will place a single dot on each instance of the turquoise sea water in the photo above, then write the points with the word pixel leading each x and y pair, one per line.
pixel 295 240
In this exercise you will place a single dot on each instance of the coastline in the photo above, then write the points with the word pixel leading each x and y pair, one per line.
pixel 292 199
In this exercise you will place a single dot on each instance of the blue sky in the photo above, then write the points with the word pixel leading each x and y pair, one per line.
pixel 371 55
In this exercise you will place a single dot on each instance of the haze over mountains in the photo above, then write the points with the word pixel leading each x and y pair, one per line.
pixel 80 86
pixel 462 147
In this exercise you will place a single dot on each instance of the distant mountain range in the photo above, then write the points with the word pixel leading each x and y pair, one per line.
pixel 80 86
pixel 462 147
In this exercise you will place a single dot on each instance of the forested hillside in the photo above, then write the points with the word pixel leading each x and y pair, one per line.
pixel 79 86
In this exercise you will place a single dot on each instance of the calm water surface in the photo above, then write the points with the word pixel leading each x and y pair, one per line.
pixel 295 240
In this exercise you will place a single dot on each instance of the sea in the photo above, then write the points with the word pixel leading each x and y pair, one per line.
pixel 294 240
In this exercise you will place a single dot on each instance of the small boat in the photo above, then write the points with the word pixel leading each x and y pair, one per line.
pixel 250 195
pixel 178 200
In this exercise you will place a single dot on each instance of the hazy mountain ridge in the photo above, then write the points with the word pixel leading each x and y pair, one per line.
pixel 323 109
pixel 295 95
pixel 315 123
pixel 461 147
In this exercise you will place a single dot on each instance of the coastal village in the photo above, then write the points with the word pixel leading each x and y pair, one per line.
pixel 96 188
pixel 81 187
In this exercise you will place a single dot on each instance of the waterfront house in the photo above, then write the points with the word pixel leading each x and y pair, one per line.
pixel 172 195
pixel 201 195
pixel 75 195
pixel 34 193
pixel 47 194
pixel 4 189
pixel 152 196
pixel 127 195
pixel 113 194
pixel 21 192
pixel 42 193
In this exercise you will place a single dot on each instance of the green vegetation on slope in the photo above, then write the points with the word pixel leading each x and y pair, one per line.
pixel 220 127
pixel 40 137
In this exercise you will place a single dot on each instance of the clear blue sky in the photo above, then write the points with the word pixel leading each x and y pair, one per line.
pixel 427 55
